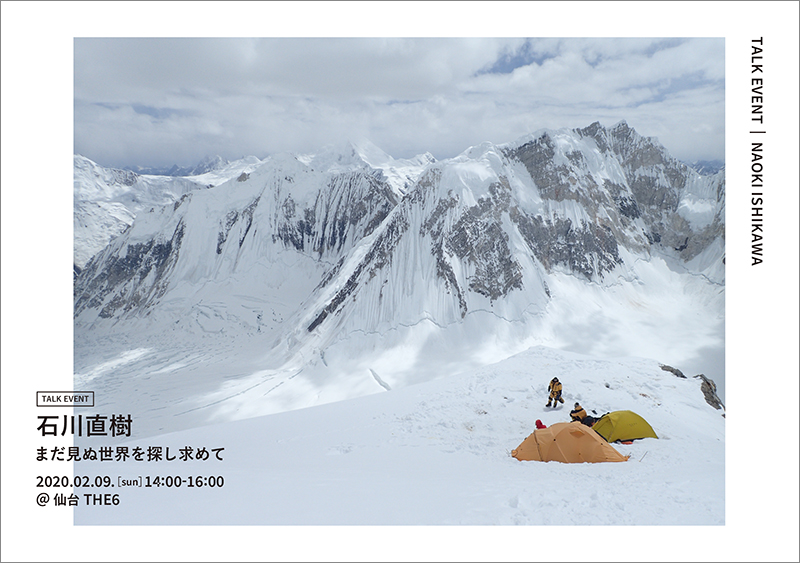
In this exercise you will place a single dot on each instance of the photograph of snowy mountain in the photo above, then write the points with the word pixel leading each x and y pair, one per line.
pixel 370 257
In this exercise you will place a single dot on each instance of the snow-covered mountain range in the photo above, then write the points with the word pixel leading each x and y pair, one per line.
pixel 708 167
pixel 106 200
pixel 206 165
pixel 307 279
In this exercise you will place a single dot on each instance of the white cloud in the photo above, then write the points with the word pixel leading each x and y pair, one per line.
pixel 164 101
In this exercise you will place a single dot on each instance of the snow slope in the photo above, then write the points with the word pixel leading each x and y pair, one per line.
pixel 173 381
pixel 310 280
pixel 107 200
pixel 438 453
pixel 400 173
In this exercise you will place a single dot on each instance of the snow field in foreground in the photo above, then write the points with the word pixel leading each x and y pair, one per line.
pixel 438 453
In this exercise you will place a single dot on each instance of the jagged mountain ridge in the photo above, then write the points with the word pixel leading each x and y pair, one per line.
pixel 329 261
pixel 106 200
pixel 629 197
pixel 205 165
pixel 285 196
pixel 708 167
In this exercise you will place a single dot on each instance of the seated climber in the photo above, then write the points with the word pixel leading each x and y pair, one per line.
pixel 578 413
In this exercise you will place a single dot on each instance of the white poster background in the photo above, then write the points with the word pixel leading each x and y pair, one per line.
pixel 762 301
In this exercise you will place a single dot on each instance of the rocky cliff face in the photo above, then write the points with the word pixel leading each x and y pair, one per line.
pixel 660 185
pixel 494 222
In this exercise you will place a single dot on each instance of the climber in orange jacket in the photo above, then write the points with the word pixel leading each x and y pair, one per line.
pixel 555 392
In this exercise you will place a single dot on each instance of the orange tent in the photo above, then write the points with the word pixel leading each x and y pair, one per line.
pixel 567 442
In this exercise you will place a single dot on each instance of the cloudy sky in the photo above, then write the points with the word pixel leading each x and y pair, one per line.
pixel 164 101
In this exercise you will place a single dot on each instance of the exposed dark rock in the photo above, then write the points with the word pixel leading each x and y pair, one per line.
pixel 125 177
pixel 378 256
pixel 587 249
pixel 552 180
pixel 709 389
pixel 653 237
pixel 183 199
pixel 656 180
pixel 478 237
pixel 232 219
pixel 133 280
pixel 352 205
pixel 672 370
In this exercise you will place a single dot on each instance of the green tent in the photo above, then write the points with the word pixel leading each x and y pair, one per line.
pixel 622 426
